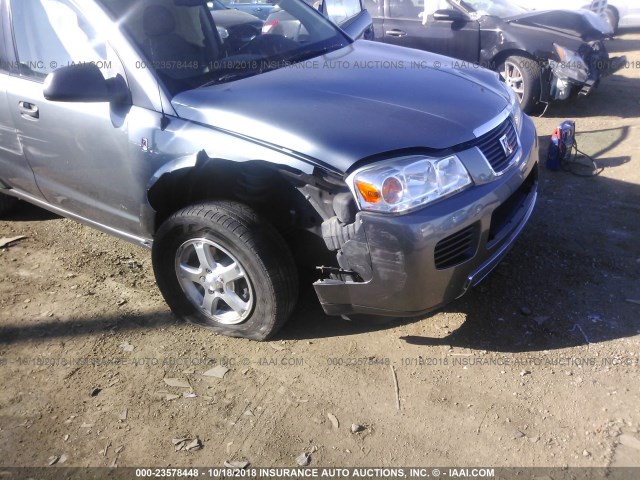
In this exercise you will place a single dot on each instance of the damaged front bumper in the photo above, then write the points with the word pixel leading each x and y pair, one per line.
pixel 411 264
pixel 581 70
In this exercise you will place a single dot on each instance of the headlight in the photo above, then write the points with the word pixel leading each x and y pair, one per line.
pixel 571 65
pixel 568 56
pixel 514 105
pixel 406 183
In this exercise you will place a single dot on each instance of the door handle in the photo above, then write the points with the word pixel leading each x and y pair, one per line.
pixel 257 9
pixel 396 33
pixel 29 109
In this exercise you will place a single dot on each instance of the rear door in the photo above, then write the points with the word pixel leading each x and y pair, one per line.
pixel 411 23
pixel 15 172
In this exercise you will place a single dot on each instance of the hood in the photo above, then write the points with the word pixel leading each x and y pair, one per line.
pixel 567 22
pixel 363 100
pixel 230 18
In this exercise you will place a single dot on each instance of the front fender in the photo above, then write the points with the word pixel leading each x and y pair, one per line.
pixel 184 143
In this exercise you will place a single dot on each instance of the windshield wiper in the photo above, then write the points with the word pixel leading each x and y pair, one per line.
pixel 307 54
pixel 228 76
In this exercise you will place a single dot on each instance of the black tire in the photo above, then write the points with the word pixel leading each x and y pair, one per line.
pixel 613 19
pixel 528 87
pixel 7 204
pixel 267 283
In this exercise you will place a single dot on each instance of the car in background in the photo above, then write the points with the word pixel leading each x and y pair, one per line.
pixel 542 56
pixel 618 13
pixel 597 7
pixel 623 13
pixel 349 15
pixel 236 28
pixel 259 8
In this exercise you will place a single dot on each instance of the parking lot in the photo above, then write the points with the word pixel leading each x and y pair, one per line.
pixel 537 366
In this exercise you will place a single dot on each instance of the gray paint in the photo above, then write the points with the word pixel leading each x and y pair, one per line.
pixel 96 162
pixel 341 116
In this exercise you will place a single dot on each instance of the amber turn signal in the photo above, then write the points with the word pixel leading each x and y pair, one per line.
pixel 369 193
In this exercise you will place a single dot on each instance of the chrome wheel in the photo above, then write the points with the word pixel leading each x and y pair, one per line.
pixel 513 77
pixel 214 281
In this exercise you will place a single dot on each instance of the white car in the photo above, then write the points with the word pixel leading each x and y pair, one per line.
pixel 624 13
pixel 617 13
pixel 597 6
pixel 596 11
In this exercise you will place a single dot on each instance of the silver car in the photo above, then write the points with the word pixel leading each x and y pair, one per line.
pixel 401 183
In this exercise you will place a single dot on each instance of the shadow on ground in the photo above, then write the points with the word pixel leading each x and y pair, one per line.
pixel 621 44
pixel 596 144
pixel 27 212
pixel 90 326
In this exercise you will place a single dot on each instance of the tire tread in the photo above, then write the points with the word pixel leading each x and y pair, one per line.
pixel 264 243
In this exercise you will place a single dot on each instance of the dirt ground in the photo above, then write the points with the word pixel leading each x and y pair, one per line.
pixel 537 366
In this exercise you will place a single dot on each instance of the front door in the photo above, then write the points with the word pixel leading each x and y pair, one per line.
pixel 79 152
pixel 411 23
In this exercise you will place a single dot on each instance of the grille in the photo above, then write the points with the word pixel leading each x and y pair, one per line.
pixel 456 248
pixel 490 146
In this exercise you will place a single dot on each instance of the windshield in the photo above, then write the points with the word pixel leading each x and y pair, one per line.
pixel 496 8
pixel 182 43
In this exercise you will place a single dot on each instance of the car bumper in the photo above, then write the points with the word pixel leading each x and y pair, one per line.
pixel 585 76
pixel 412 257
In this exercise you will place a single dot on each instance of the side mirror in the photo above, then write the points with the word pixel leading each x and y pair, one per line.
pixel 449 15
pixel 85 83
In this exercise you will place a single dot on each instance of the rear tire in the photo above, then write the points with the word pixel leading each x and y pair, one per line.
pixel 523 74
pixel 7 204
pixel 219 265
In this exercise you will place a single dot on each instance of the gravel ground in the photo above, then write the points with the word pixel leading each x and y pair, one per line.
pixel 537 366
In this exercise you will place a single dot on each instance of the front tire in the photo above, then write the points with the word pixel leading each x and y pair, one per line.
pixel 220 266
pixel 7 204
pixel 523 74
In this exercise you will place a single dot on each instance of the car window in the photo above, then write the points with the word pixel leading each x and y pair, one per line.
pixel 406 9
pixel 341 10
pixel 373 7
pixel 179 40
pixel 431 6
pixel 497 8
pixel 50 34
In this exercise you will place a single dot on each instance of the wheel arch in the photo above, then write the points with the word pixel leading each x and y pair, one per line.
pixel 500 56
pixel 198 177
pixel 295 202
pixel 543 74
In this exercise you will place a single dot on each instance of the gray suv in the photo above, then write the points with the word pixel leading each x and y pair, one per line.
pixel 399 182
